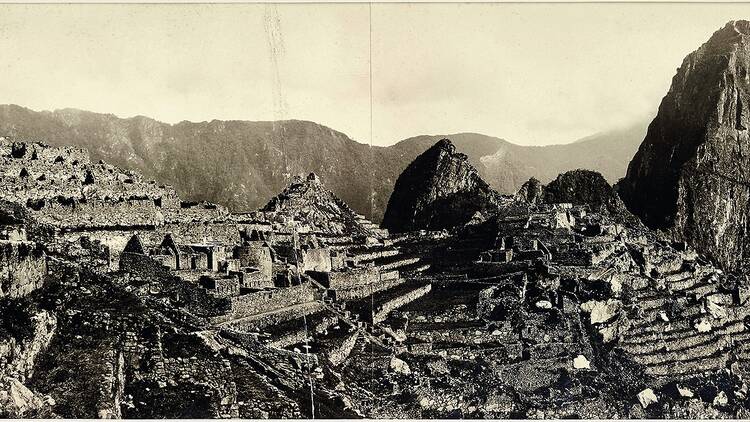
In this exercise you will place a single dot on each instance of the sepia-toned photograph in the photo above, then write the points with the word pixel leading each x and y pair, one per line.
pixel 375 211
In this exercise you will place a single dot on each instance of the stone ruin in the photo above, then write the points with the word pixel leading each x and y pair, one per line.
pixel 539 308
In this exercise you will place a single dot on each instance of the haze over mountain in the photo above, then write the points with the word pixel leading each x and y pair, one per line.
pixel 242 164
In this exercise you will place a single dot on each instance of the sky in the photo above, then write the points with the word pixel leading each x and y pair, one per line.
pixel 533 74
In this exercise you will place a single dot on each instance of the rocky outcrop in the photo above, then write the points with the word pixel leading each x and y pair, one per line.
pixel 691 174
pixel 18 355
pixel 581 187
pixel 531 191
pixel 16 400
pixel 439 189
pixel 23 266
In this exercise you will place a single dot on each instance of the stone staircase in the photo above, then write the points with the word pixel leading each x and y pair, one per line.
pixel 676 334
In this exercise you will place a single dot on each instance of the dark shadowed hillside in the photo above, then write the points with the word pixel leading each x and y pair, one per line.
pixel 690 176
pixel 242 164
pixel 438 190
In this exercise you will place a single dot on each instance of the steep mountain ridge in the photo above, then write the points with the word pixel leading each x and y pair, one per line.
pixel 242 164
pixel 689 176
pixel 439 189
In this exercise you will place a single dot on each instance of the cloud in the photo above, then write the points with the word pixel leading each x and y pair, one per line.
pixel 530 73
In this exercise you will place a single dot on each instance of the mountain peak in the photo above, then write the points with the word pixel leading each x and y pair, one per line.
pixel 445 144
pixel 689 176
pixel 739 26
pixel 439 189
pixel 725 37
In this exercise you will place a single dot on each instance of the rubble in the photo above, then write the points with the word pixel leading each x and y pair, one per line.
pixel 580 362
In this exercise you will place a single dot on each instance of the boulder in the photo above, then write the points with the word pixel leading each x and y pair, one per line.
pixel 685 392
pixel 647 397
pixel 400 366
pixel 580 362
pixel 703 325
pixel 601 311
pixel 16 400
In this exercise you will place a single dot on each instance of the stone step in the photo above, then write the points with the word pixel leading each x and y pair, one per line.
pixel 712 346
pixel 396 262
pixel 689 367
pixel 639 285
pixel 681 331
pixel 646 348
pixel 652 303
pixel 684 284
pixel 678 276
pixel 698 289
pixel 651 320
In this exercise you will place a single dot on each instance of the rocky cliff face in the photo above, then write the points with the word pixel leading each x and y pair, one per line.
pixel 439 189
pixel 691 174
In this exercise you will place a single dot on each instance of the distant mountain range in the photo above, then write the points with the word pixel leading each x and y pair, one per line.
pixel 242 164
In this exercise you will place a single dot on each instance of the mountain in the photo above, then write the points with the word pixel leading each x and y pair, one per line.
pixel 506 166
pixel 238 164
pixel 439 189
pixel 581 187
pixel 691 174
pixel 242 164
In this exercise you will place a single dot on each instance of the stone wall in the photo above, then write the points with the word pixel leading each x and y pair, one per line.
pixel 287 339
pixel 338 351
pixel 203 212
pixel 389 275
pixel 271 300
pixel 371 255
pixel 359 292
pixel 143 266
pixel 221 285
pixel 255 254
pixel 115 240
pixel 23 266
pixel 351 277
pixel 255 322
pixel 62 187
pixel 382 313
pixel 255 279
pixel 76 214
pixel 200 232
pixel 112 386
